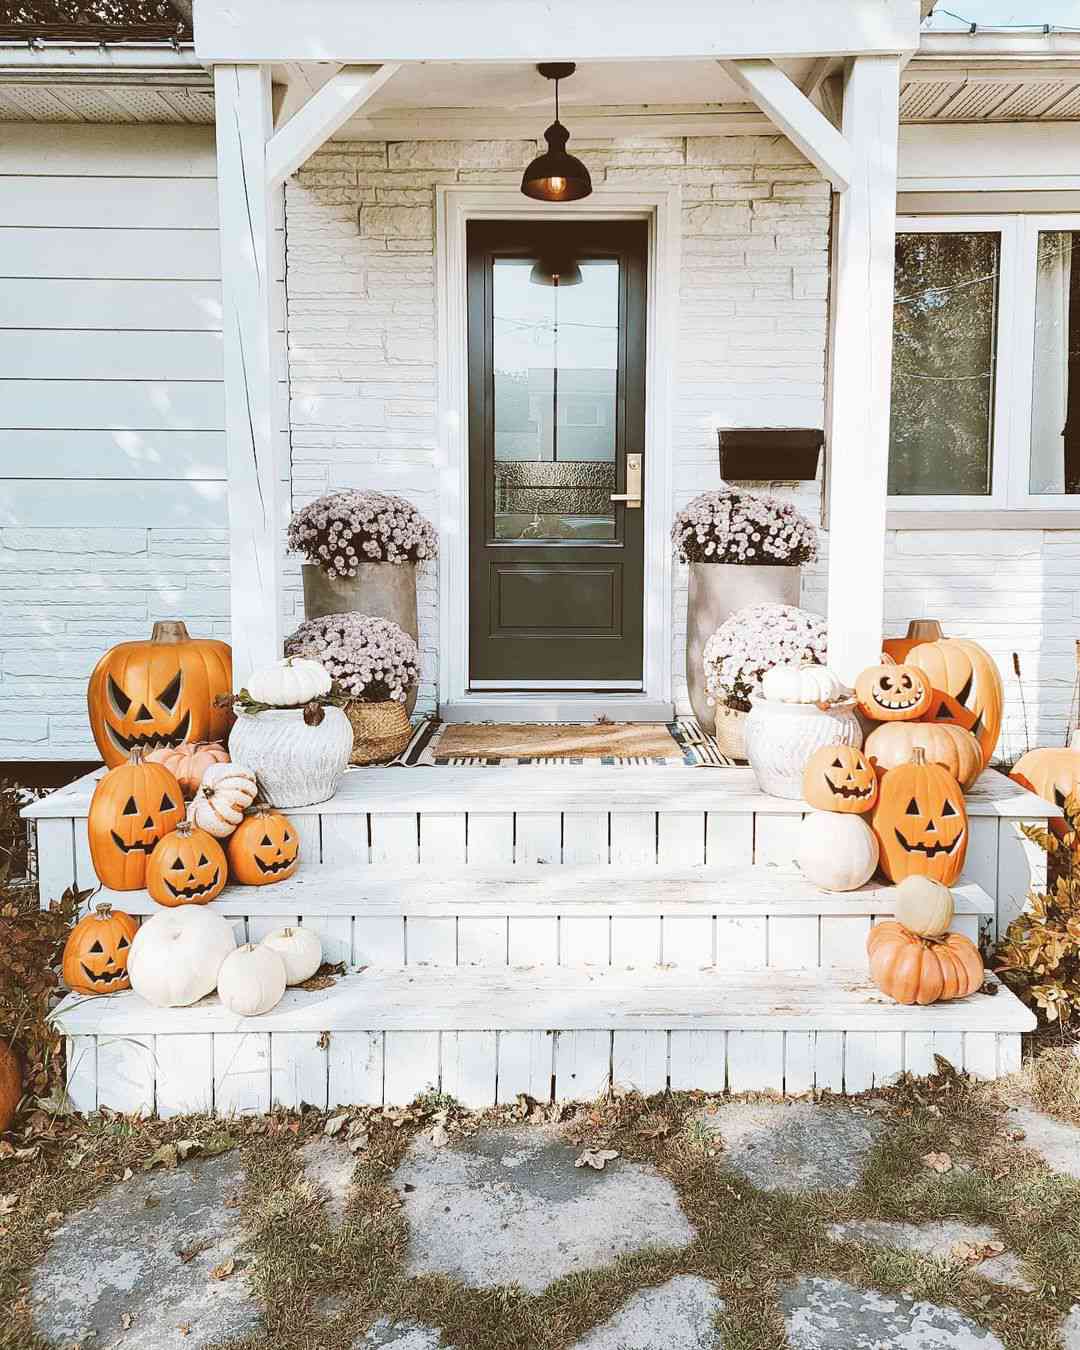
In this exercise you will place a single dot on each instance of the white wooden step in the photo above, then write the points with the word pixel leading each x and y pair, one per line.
pixel 383 1035
pixel 746 918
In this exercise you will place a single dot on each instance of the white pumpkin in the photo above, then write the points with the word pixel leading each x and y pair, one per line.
pixel 836 852
pixel 802 684
pixel 923 906
pixel 251 980
pixel 177 953
pixel 224 794
pixel 289 683
pixel 299 948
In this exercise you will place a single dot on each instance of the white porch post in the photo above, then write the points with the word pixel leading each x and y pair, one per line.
pixel 248 220
pixel 858 437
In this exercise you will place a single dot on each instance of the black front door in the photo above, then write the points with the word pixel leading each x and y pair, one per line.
pixel 556 442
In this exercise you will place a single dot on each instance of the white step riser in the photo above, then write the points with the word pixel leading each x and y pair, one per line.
pixel 248 1072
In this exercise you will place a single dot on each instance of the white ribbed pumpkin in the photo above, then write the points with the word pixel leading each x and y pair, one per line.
pixel 224 794
pixel 176 955
pixel 289 683
pixel 836 852
pixel 923 906
pixel 299 948
pixel 802 684
pixel 251 980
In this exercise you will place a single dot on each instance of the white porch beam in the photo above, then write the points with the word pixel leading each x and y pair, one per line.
pixel 800 121
pixel 317 120
pixel 858 432
pixel 248 219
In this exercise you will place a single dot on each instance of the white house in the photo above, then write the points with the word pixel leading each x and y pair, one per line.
pixel 236 275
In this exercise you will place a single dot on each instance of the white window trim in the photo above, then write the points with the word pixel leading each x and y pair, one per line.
pixel 1015 346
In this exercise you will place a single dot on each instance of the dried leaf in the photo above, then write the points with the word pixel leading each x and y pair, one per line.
pixel 938 1162
pixel 167 1156
pixel 335 1124
pixel 8 1202
pixel 126 1320
pixel 186 1147
pixel 224 1270
pixel 439 1136
pixel 597 1158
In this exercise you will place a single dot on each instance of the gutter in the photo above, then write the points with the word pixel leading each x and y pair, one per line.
pixel 130 63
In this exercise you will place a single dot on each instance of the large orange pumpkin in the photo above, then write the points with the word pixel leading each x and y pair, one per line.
pixel 10 1085
pixel 133 807
pixel 840 778
pixel 1052 773
pixel 921 822
pixel 913 969
pixel 161 692
pixel 187 868
pixel 952 747
pixel 965 672
pixel 893 693
pixel 918 631
pixel 263 848
pixel 96 952
pixel 189 761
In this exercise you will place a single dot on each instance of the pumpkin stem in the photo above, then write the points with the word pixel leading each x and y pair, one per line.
pixel 136 754
pixel 169 631
pixel 918 755
pixel 185 829
pixel 103 910
pixel 925 630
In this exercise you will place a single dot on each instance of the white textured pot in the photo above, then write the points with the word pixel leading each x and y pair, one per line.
pixel 781 737
pixel 296 764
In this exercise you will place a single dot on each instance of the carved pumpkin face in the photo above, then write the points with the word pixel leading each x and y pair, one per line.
pixel 263 849
pixel 133 807
pixel 187 868
pixel 967 673
pixel 893 693
pixel 921 822
pixel 1052 773
pixel 159 693
pixel 96 952
pixel 840 778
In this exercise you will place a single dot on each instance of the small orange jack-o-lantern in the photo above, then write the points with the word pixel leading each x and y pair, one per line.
pixel 264 848
pixel 893 693
pixel 96 952
pixel 133 807
pixel 840 778
pixel 159 693
pixel 187 868
pixel 921 822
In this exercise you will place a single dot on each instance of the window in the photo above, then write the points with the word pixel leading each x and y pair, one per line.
pixel 986 363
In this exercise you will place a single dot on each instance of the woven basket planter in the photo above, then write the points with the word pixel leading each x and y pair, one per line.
pixel 730 731
pixel 380 730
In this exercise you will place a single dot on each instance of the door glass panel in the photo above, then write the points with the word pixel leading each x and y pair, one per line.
pixel 556 352
pixel 1055 400
pixel 944 364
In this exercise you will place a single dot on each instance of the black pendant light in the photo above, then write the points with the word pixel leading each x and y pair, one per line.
pixel 556 176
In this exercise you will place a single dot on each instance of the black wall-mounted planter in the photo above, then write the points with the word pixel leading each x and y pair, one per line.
pixel 757 454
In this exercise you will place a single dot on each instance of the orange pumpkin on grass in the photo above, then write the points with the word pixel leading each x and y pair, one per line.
pixel 187 868
pixel 921 822
pixel 96 952
pixel 914 969
pixel 133 807
pixel 263 848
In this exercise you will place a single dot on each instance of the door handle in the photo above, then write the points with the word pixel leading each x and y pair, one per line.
pixel 632 495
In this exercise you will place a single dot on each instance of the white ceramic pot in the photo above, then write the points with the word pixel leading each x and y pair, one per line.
pixel 295 764
pixel 781 737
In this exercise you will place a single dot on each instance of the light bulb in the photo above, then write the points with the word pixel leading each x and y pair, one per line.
pixel 557 185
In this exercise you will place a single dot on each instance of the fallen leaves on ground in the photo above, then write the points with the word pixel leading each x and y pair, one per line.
pixel 597 1158
pixel 938 1162
pixel 439 1136
pixel 335 1124
pixel 971 1253
pixel 8 1202
pixel 224 1270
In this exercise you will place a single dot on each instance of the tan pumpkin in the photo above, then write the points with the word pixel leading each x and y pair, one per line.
pixel 893 693
pixel 96 952
pixel 10 1086
pixel 895 743
pixel 967 673
pixel 159 692
pixel 923 906
pixel 133 807
pixel 921 822
pixel 840 778
pixel 224 794
pixel 188 867
pixel 188 762
pixel 263 849
pixel 914 969
pixel 1052 773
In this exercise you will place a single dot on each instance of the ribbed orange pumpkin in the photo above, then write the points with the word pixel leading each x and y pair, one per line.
pixel 187 868
pixel 263 848
pixel 950 746
pixel 921 822
pixel 10 1085
pixel 913 969
pixel 96 952
pixel 966 672
pixel 133 807
pixel 189 761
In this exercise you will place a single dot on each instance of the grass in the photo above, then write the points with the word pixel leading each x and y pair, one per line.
pixel 322 1284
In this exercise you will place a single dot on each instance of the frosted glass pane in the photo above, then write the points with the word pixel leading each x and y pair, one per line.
pixel 1055 411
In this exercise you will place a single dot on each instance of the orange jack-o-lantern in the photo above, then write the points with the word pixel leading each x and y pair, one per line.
pixel 133 807
pixel 96 952
pixel 187 868
pixel 967 673
pixel 921 822
pixel 158 693
pixel 840 778
pixel 893 693
pixel 263 848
